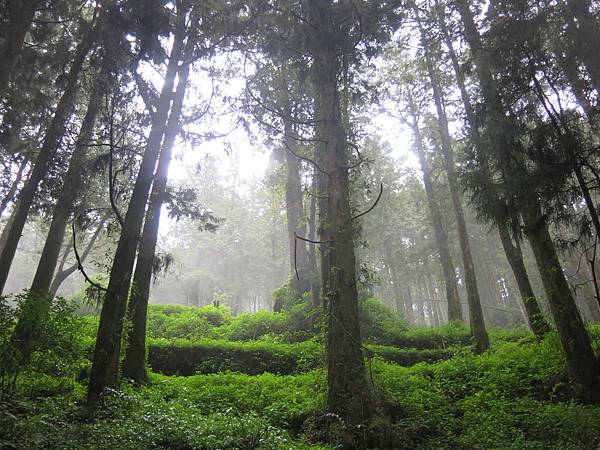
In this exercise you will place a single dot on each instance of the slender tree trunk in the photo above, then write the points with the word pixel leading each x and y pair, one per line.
pixel 19 15
pixel 53 135
pixel 581 361
pixel 295 211
pixel 452 297
pixel 312 253
pixel 105 364
pixel 8 226
pixel 349 394
pixel 134 367
pixel 10 195
pixel 535 318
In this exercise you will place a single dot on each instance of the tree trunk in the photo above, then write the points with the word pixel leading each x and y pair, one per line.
pixel 452 297
pixel 535 318
pixel 53 135
pixel 349 394
pixel 312 253
pixel 105 364
pixel 134 363
pixel 581 361
pixel 19 15
pixel 294 205
pixel 10 195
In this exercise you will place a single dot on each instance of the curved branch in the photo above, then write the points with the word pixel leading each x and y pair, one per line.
pixel 373 205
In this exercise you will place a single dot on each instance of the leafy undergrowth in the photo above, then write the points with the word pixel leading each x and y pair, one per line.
pixel 515 396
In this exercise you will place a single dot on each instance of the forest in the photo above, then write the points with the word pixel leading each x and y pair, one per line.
pixel 299 224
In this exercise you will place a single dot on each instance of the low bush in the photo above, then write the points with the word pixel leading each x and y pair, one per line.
pixel 379 323
pixel 251 326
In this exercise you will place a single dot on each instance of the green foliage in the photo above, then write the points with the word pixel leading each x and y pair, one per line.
pixel 58 349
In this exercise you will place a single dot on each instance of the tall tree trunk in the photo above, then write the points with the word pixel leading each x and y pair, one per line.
pixel 477 322
pixel 294 205
pixel 105 364
pixel 134 363
pixel 441 238
pixel 52 138
pixel 535 318
pixel 349 394
pixel 581 361
pixel 19 17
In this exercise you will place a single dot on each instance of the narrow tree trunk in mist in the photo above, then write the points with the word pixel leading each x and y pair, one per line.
pixel 408 306
pixel 581 361
pixel 441 238
pixel 315 279
pixel 10 195
pixel 52 138
pixel 38 301
pixel 535 318
pixel 477 322
pixel 294 205
pixel 19 15
pixel 134 363
pixel 349 394
pixel 105 363
pixel 62 274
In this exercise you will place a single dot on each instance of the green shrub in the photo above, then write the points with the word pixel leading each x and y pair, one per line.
pixel 379 323
pixel 211 356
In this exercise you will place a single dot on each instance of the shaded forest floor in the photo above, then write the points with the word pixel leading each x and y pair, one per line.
pixel 257 382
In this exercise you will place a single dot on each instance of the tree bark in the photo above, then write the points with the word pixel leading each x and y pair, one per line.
pixel 105 364
pixel 134 362
pixel 441 238
pixel 52 138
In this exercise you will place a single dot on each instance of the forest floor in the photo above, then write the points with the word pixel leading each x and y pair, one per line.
pixel 257 381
